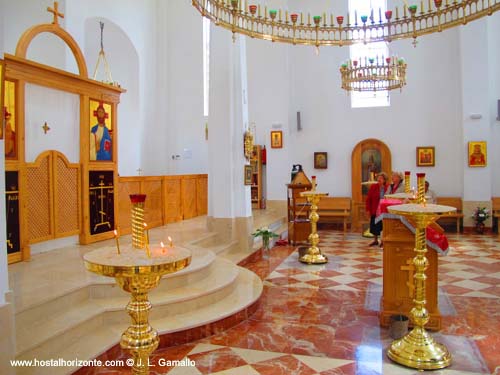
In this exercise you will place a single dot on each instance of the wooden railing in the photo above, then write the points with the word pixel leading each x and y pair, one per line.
pixel 169 198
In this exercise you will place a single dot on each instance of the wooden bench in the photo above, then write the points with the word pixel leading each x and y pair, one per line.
pixel 335 209
pixel 456 216
pixel 495 211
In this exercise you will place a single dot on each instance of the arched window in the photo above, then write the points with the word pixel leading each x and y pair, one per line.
pixel 362 52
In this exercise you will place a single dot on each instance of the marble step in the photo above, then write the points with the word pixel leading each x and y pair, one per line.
pixel 96 285
pixel 104 287
pixel 99 336
pixel 36 328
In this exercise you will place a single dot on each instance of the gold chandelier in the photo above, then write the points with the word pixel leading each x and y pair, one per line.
pixel 294 28
pixel 373 74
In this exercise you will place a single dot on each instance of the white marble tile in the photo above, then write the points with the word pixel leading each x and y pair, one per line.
pixel 345 279
pixel 254 356
pixel 200 348
pixel 184 370
pixel 463 274
pixel 320 364
pixel 242 370
pixel 471 284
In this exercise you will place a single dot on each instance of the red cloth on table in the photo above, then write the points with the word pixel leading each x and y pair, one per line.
pixel 431 234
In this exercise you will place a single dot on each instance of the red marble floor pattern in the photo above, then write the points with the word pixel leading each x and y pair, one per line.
pixel 316 319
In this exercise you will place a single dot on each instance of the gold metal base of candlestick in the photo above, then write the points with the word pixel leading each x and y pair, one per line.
pixel 368 234
pixel 313 256
pixel 419 350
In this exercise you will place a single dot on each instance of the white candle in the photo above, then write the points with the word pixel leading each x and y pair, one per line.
pixel 117 241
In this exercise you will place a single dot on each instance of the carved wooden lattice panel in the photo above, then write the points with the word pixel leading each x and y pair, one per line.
pixel 188 197
pixel 67 198
pixel 201 195
pixel 125 188
pixel 153 206
pixel 39 201
pixel 173 209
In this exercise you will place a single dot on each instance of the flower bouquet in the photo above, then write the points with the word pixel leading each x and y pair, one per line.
pixel 480 215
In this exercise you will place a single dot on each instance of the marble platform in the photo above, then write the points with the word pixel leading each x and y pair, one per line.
pixel 64 311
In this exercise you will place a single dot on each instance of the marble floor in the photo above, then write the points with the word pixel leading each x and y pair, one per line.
pixel 324 319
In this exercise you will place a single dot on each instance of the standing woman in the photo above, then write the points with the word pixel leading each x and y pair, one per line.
pixel 376 192
pixel 397 185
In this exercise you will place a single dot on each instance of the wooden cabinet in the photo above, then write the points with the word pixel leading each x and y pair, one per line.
pixel 299 226
pixel 257 180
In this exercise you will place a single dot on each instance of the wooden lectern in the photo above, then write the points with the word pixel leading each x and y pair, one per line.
pixel 398 286
pixel 299 226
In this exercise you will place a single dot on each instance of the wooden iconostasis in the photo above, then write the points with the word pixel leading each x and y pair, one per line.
pixel 59 132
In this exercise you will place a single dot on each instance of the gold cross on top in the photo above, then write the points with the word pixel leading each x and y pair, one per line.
pixel 56 13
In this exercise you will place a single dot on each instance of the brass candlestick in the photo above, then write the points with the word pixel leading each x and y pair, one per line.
pixel 137 273
pixel 417 349
pixel 313 254
pixel 138 220
pixel 407 182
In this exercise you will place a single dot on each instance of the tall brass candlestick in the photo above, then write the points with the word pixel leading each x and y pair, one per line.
pixel 421 188
pixel 313 254
pixel 407 182
pixel 138 220
pixel 417 349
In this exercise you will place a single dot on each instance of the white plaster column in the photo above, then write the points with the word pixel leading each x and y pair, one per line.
pixel 229 204
pixel 475 100
pixel 7 338
pixel 494 80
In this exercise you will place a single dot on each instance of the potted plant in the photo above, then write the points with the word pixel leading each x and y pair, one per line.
pixel 480 215
pixel 266 235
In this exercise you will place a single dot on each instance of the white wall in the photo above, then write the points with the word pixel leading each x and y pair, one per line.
pixel 494 79
pixel 185 123
pixel 268 102
pixel 45 48
pixel 138 21
pixel 475 93
pixel 61 111
pixel 124 66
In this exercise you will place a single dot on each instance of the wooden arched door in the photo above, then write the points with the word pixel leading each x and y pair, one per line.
pixel 369 155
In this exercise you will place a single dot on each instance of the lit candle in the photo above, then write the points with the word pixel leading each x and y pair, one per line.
pixel 162 248
pixel 117 241
pixel 171 243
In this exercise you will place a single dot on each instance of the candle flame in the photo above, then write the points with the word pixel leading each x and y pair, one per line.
pixel 169 238
pixel 145 225
pixel 115 232
pixel 162 245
